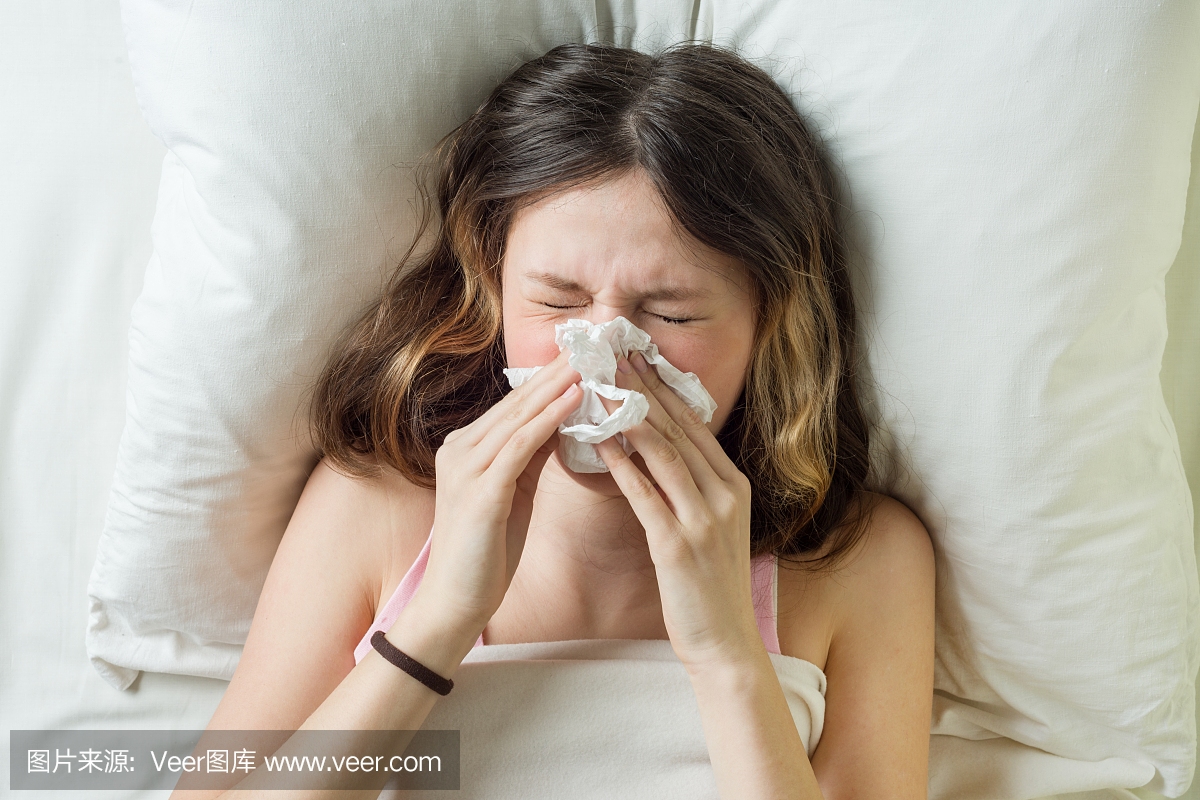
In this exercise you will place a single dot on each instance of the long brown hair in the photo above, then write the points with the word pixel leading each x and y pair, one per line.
pixel 740 171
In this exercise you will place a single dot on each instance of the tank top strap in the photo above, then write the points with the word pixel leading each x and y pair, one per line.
pixel 399 599
pixel 764 579
pixel 764 585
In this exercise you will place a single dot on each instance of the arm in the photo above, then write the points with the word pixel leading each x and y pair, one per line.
pixel 880 667
pixel 697 521
pixel 753 744
pixel 297 669
pixel 879 698
pixel 875 738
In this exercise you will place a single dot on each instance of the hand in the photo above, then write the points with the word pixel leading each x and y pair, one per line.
pixel 487 474
pixel 697 522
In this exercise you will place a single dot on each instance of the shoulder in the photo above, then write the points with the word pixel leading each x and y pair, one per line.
pixel 890 565
pixel 893 563
pixel 376 507
pixel 350 539
pixel 369 529
pixel 894 537
pixel 376 524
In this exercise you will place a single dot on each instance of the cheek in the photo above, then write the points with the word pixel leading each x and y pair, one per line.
pixel 720 361
pixel 528 343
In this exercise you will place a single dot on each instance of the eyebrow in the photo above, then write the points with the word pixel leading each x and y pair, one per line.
pixel 665 293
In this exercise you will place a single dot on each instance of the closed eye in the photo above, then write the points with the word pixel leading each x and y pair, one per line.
pixel 670 320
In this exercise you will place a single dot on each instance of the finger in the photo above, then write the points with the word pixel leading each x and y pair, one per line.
pixel 667 467
pixel 672 429
pixel 521 404
pixel 696 429
pixel 647 500
pixel 512 459
pixel 679 471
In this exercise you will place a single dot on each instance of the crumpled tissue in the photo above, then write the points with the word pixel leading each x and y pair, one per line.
pixel 594 353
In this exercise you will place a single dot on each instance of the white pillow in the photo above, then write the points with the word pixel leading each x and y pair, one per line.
pixel 1017 174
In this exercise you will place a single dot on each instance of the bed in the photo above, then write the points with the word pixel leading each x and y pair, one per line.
pixel 80 175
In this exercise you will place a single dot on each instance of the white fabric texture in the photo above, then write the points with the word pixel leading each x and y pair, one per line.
pixel 79 169
pixel 597 718
pixel 594 353
pixel 1017 177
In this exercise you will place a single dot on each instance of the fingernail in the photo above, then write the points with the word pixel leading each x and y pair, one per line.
pixel 623 365
pixel 639 363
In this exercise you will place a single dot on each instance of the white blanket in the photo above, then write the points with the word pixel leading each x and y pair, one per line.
pixel 598 718
pixel 617 718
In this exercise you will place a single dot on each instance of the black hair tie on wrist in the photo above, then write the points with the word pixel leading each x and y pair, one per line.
pixel 410 665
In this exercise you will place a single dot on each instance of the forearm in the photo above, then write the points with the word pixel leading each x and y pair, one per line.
pixel 755 749
pixel 376 696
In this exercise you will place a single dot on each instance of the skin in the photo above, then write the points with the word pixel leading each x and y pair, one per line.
pixel 526 550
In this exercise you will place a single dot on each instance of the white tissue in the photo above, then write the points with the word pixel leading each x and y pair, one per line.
pixel 594 353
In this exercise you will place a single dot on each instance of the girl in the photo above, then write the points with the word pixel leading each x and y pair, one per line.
pixel 684 192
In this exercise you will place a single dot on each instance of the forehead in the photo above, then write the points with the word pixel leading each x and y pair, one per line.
pixel 617 229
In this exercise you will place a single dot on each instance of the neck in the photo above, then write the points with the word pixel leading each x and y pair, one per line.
pixel 585 570
pixel 586 520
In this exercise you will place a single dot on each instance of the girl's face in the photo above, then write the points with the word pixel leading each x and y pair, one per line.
pixel 611 249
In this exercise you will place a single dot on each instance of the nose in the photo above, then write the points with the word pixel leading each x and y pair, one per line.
pixel 600 313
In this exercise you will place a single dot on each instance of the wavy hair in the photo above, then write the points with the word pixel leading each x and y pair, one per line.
pixel 740 171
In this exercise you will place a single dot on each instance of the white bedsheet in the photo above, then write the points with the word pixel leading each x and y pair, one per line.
pixel 78 175
pixel 563 708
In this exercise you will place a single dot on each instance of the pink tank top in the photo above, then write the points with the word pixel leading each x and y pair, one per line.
pixel 764 582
